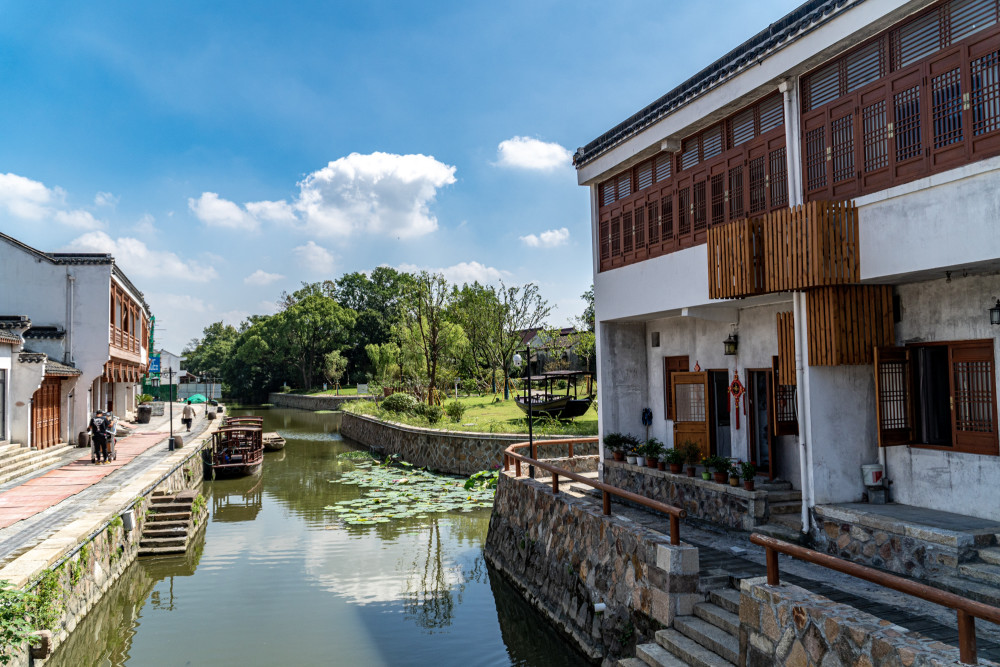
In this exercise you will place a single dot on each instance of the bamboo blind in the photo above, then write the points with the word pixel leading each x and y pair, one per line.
pixel 847 322
pixel 786 348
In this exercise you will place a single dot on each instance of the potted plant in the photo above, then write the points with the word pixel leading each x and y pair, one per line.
pixel 692 454
pixel 706 463
pixel 634 452
pixel 652 450
pixel 675 459
pixel 616 443
pixel 748 471
pixel 734 474
pixel 720 468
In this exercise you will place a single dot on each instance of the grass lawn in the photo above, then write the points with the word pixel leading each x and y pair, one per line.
pixel 344 391
pixel 490 414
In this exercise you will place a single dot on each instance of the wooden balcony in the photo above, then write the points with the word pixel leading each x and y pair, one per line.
pixel 808 246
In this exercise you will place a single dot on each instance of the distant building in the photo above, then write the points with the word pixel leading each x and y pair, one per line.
pixel 84 346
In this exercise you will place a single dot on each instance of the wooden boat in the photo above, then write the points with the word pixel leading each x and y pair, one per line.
pixel 559 406
pixel 245 421
pixel 236 451
pixel 273 442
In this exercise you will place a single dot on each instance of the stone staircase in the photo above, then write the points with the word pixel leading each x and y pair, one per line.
pixel 707 638
pixel 170 522
pixel 17 461
pixel 979 578
pixel 785 507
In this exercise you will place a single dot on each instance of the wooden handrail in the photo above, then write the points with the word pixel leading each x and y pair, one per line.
pixel 968 610
pixel 675 513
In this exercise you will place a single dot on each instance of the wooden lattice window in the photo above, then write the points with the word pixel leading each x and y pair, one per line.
pixel 711 143
pixel 842 140
pixel 758 185
pixel 916 39
pixel 815 159
pixel 624 184
pixel 639 224
pixel 772 114
pixel 779 177
pixel 700 218
pixel 616 236
pixel 946 107
pixel 985 94
pixel 644 175
pixel 605 234
pixel 653 216
pixel 684 211
pixel 691 154
pixel 671 365
pixel 718 199
pixel 736 206
pixel 874 137
pixel 607 193
pixel 627 231
pixel 907 130
pixel 667 218
pixel 664 168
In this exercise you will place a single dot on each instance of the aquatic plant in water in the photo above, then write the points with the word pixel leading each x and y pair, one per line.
pixel 401 492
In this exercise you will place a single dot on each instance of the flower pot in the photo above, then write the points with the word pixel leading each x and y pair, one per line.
pixel 618 456
pixel 633 460
pixel 706 475
pixel 734 481
pixel 676 469
pixel 661 465
pixel 690 471
pixel 651 461
pixel 748 484
pixel 719 477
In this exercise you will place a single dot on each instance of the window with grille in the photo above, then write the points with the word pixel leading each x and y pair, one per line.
pixel 772 114
pixel 664 168
pixel 718 199
pixel 736 209
pixel 823 86
pixel 864 66
pixel 684 211
pixel 667 218
pixel 743 127
pixel 946 107
pixel 907 111
pixel 607 194
pixel 779 177
pixel 639 224
pixel 916 39
pixel 653 216
pixel 616 236
pixel 985 94
pixel 815 159
pixel 758 186
pixel 644 175
pixel 842 138
pixel 700 220
pixel 690 153
pixel 711 143
pixel 874 134
pixel 605 234
pixel 624 185
pixel 627 231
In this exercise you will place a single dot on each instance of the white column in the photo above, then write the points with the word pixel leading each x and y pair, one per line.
pixel 793 139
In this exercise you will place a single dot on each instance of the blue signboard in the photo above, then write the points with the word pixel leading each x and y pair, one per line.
pixel 154 363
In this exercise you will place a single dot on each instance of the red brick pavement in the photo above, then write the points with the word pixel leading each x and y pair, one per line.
pixel 55 486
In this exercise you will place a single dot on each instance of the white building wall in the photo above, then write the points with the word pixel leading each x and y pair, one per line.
pixel 6 406
pixel 623 383
pixel 25 381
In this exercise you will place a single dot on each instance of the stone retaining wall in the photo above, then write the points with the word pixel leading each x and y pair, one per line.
pixel 788 625
pixel 452 452
pixel 305 402
pixel 729 506
pixel 564 556
pixel 886 543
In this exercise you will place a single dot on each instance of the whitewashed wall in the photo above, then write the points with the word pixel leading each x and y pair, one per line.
pixel 5 365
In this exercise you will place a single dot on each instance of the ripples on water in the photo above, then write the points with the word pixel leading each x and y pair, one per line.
pixel 274 578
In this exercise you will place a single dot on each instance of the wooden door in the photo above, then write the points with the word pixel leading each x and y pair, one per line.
pixel 760 415
pixel 893 392
pixel 690 393
pixel 45 414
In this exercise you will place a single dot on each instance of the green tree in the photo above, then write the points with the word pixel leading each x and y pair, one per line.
pixel 334 366
pixel 208 355
pixel 256 365
pixel 378 299
pixel 386 360
pixel 310 329
pixel 428 330
pixel 586 321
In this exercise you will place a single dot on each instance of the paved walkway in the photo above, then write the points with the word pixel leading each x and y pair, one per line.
pixel 37 506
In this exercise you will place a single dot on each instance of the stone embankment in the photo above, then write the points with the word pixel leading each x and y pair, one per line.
pixel 304 402
pixel 452 452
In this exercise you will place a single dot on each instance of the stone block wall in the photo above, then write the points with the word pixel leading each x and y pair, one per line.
pixel 885 543
pixel 452 452
pixel 721 504
pixel 304 402
pixel 564 556
pixel 788 625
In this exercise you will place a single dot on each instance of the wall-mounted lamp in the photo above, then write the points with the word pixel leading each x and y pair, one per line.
pixel 995 313
pixel 730 344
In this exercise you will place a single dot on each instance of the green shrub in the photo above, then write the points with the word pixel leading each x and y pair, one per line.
pixel 399 402
pixel 432 413
pixel 455 411
pixel 673 456
pixel 652 448
pixel 145 398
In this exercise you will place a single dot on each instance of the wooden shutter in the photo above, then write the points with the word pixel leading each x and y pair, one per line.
pixel 984 73
pixel 784 409
pixel 874 118
pixel 604 233
pixel 691 409
pixel 947 119
pixel 671 365
pixel 973 397
pixel 894 396
pixel 786 348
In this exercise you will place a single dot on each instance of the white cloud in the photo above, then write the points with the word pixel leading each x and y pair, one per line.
pixel 31 200
pixel 463 272
pixel 316 259
pixel 272 211
pixel 217 212
pixel 547 239
pixel 106 199
pixel 182 303
pixel 262 277
pixel 138 260
pixel 146 225
pixel 529 153
pixel 381 193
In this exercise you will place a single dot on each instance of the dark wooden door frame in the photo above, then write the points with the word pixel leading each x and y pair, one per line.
pixel 751 421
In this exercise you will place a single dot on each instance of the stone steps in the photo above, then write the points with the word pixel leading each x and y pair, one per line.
pixel 156 542
pixel 169 524
pixel 985 572
pixel 726 598
pixel 973 589
pixel 990 555
pixel 789 507
pixel 654 655
pixel 719 617
pixel 24 462
pixel 168 516
pixel 784 496
pixel 707 635
pixel 689 651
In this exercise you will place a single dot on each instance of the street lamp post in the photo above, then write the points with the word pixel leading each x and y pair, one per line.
pixel 170 384
pixel 531 434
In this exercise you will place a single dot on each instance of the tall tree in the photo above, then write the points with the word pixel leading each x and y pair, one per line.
pixel 586 321
pixel 377 298
pixel 208 355
pixel 311 328
pixel 426 324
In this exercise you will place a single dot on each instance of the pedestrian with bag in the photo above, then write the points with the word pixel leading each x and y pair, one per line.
pixel 187 414
pixel 98 434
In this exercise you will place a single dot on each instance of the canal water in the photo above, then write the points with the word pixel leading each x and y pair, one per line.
pixel 275 578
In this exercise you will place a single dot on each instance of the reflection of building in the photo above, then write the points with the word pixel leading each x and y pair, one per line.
pixel 77 333
pixel 861 315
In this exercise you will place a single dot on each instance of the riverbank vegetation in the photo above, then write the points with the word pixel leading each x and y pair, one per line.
pixel 412 332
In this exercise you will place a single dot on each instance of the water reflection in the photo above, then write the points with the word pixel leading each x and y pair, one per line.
pixel 273 574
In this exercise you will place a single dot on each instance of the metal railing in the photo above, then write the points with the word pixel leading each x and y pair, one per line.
pixel 675 513
pixel 968 610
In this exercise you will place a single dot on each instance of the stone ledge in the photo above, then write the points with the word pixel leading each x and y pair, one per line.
pixel 853 516
pixel 737 491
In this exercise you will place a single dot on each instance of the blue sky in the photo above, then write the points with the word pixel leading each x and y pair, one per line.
pixel 227 151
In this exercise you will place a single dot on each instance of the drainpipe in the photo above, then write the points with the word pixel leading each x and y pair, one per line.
pixel 810 466
pixel 70 305
pixel 800 405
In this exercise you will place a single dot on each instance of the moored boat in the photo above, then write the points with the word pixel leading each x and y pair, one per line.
pixel 273 442
pixel 236 451
pixel 559 406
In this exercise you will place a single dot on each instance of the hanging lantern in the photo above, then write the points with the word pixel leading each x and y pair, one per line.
pixel 731 343
pixel 995 313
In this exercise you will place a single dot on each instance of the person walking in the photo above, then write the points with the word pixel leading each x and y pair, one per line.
pixel 98 434
pixel 111 436
pixel 187 414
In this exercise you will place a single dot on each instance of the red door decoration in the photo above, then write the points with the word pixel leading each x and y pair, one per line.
pixel 737 390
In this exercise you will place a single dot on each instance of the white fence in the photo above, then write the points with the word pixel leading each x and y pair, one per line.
pixel 212 390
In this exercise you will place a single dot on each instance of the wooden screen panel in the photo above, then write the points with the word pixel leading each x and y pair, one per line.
pixel 690 394
pixel 984 97
pixel 671 365
pixel 786 349
pixel 973 392
pixel 846 323
pixel 784 406
pixel 893 396
pixel 948 125
pixel 735 266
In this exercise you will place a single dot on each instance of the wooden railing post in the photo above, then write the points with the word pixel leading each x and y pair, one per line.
pixel 773 578
pixel 555 484
pixel 517 467
pixel 675 530
pixel 571 455
pixel 506 463
pixel 967 653
pixel 606 497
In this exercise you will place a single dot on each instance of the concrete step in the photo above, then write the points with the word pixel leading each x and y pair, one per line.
pixel 985 572
pixel 165 508
pixel 655 655
pixel 973 589
pixel 789 507
pixel 782 531
pixel 719 617
pixel 187 496
pixel 713 578
pixel 784 496
pixel 163 499
pixel 714 639
pixel 169 516
pixel 153 530
pixel 688 650
pixel 631 662
pixel 990 555
pixel 726 598
pixel 166 525
pixel 34 462
pixel 775 486
pixel 161 551
pixel 158 542
pixel 793 521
